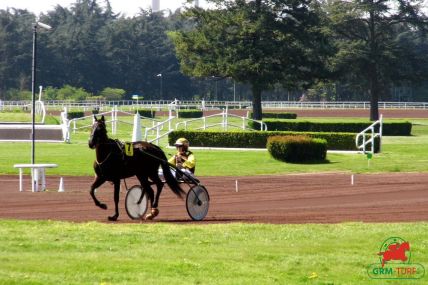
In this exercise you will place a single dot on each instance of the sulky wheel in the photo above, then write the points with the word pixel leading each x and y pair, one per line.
pixel 197 202
pixel 136 202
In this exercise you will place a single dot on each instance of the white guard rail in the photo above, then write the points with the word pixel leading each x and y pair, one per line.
pixel 225 124
pixel 370 129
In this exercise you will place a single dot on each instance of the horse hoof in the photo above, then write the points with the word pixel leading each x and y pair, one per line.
pixel 154 212
pixel 113 218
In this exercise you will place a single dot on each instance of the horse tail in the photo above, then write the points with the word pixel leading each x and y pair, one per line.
pixel 169 178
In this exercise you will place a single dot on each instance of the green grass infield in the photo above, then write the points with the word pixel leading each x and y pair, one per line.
pixel 51 252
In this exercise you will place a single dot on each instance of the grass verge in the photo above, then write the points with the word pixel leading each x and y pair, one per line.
pixel 399 154
pixel 50 252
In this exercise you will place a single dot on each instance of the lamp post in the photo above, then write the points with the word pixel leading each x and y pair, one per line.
pixel 160 92
pixel 234 91
pixel 33 85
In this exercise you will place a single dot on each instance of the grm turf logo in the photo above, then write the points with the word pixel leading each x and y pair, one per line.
pixel 394 262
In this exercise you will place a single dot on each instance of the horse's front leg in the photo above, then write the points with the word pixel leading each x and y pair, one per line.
pixel 116 201
pixel 97 183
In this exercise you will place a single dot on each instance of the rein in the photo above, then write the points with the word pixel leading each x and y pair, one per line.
pixel 108 156
pixel 100 163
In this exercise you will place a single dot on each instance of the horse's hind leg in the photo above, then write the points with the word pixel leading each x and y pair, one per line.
pixel 159 187
pixel 146 186
pixel 116 201
pixel 155 211
pixel 97 183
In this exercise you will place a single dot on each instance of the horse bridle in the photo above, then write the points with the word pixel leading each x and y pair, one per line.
pixel 97 124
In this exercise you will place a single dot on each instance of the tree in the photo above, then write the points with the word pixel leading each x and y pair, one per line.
pixel 15 49
pixel 259 43
pixel 368 36
pixel 112 94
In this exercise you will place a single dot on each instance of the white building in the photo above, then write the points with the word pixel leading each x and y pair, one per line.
pixel 155 5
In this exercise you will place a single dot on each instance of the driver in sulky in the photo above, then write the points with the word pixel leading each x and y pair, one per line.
pixel 184 159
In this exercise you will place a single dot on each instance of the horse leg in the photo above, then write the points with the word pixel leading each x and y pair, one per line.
pixel 116 201
pixel 159 187
pixel 97 183
pixel 154 212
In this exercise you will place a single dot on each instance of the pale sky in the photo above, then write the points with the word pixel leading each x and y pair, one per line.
pixel 129 7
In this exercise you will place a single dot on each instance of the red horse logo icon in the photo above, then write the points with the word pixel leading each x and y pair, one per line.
pixel 395 251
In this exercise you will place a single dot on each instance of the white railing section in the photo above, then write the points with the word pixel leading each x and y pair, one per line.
pixel 158 128
pixel 114 120
pixel 207 105
pixel 362 137
pixel 225 123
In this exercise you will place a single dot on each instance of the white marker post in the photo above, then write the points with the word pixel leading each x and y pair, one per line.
pixel 236 186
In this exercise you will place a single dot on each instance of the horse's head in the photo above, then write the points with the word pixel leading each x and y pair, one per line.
pixel 405 246
pixel 98 132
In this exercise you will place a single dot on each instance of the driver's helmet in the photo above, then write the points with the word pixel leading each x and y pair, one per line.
pixel 182 142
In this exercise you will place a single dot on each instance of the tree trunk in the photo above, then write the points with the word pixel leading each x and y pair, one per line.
pixel 374 105
pixel 257 102
pixel 373 68
pixel 374 94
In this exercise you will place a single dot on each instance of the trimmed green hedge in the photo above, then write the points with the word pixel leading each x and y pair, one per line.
pixel 190 113
pixel 75 114
pixel 147 113
pixel 401 128
pixel 297 148
pixel 274 115
pixel 258 139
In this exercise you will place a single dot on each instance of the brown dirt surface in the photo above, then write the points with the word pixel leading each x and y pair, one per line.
pixel 294 198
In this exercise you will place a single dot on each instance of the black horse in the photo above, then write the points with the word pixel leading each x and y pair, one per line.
pixel 112 164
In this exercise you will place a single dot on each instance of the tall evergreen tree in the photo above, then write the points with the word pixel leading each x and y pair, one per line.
pixel 15 49
pixel 259 43
pixel 368 39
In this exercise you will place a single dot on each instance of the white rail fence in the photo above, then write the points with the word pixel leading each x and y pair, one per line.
pixel 158 129
pixel 225 122
pixel 361 140
pixel 206 105
pixel 112 117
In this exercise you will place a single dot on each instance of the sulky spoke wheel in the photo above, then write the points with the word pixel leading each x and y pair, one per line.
pixel 197 202
pixel 136 202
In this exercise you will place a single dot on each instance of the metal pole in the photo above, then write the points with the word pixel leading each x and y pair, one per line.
pixel 33 87
pixel 234 91
pixel 161 91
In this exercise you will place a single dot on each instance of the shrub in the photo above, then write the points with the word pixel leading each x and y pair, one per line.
pixel 297 148
pixel 257 139
pixel 96 110
pixel 274 115
pixel 190 113
pixel 75 114
pixel 147 113
pixel 400 128
pixel 109 93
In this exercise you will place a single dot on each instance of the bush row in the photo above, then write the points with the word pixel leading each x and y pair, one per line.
pixel 75 114
pixel 297 148
pixel 257 139
pixel 400 128
pixel 274 115
pixel 190 113
pixel 147 113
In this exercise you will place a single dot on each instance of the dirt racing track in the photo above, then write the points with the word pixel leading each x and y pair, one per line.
pixel 300 198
